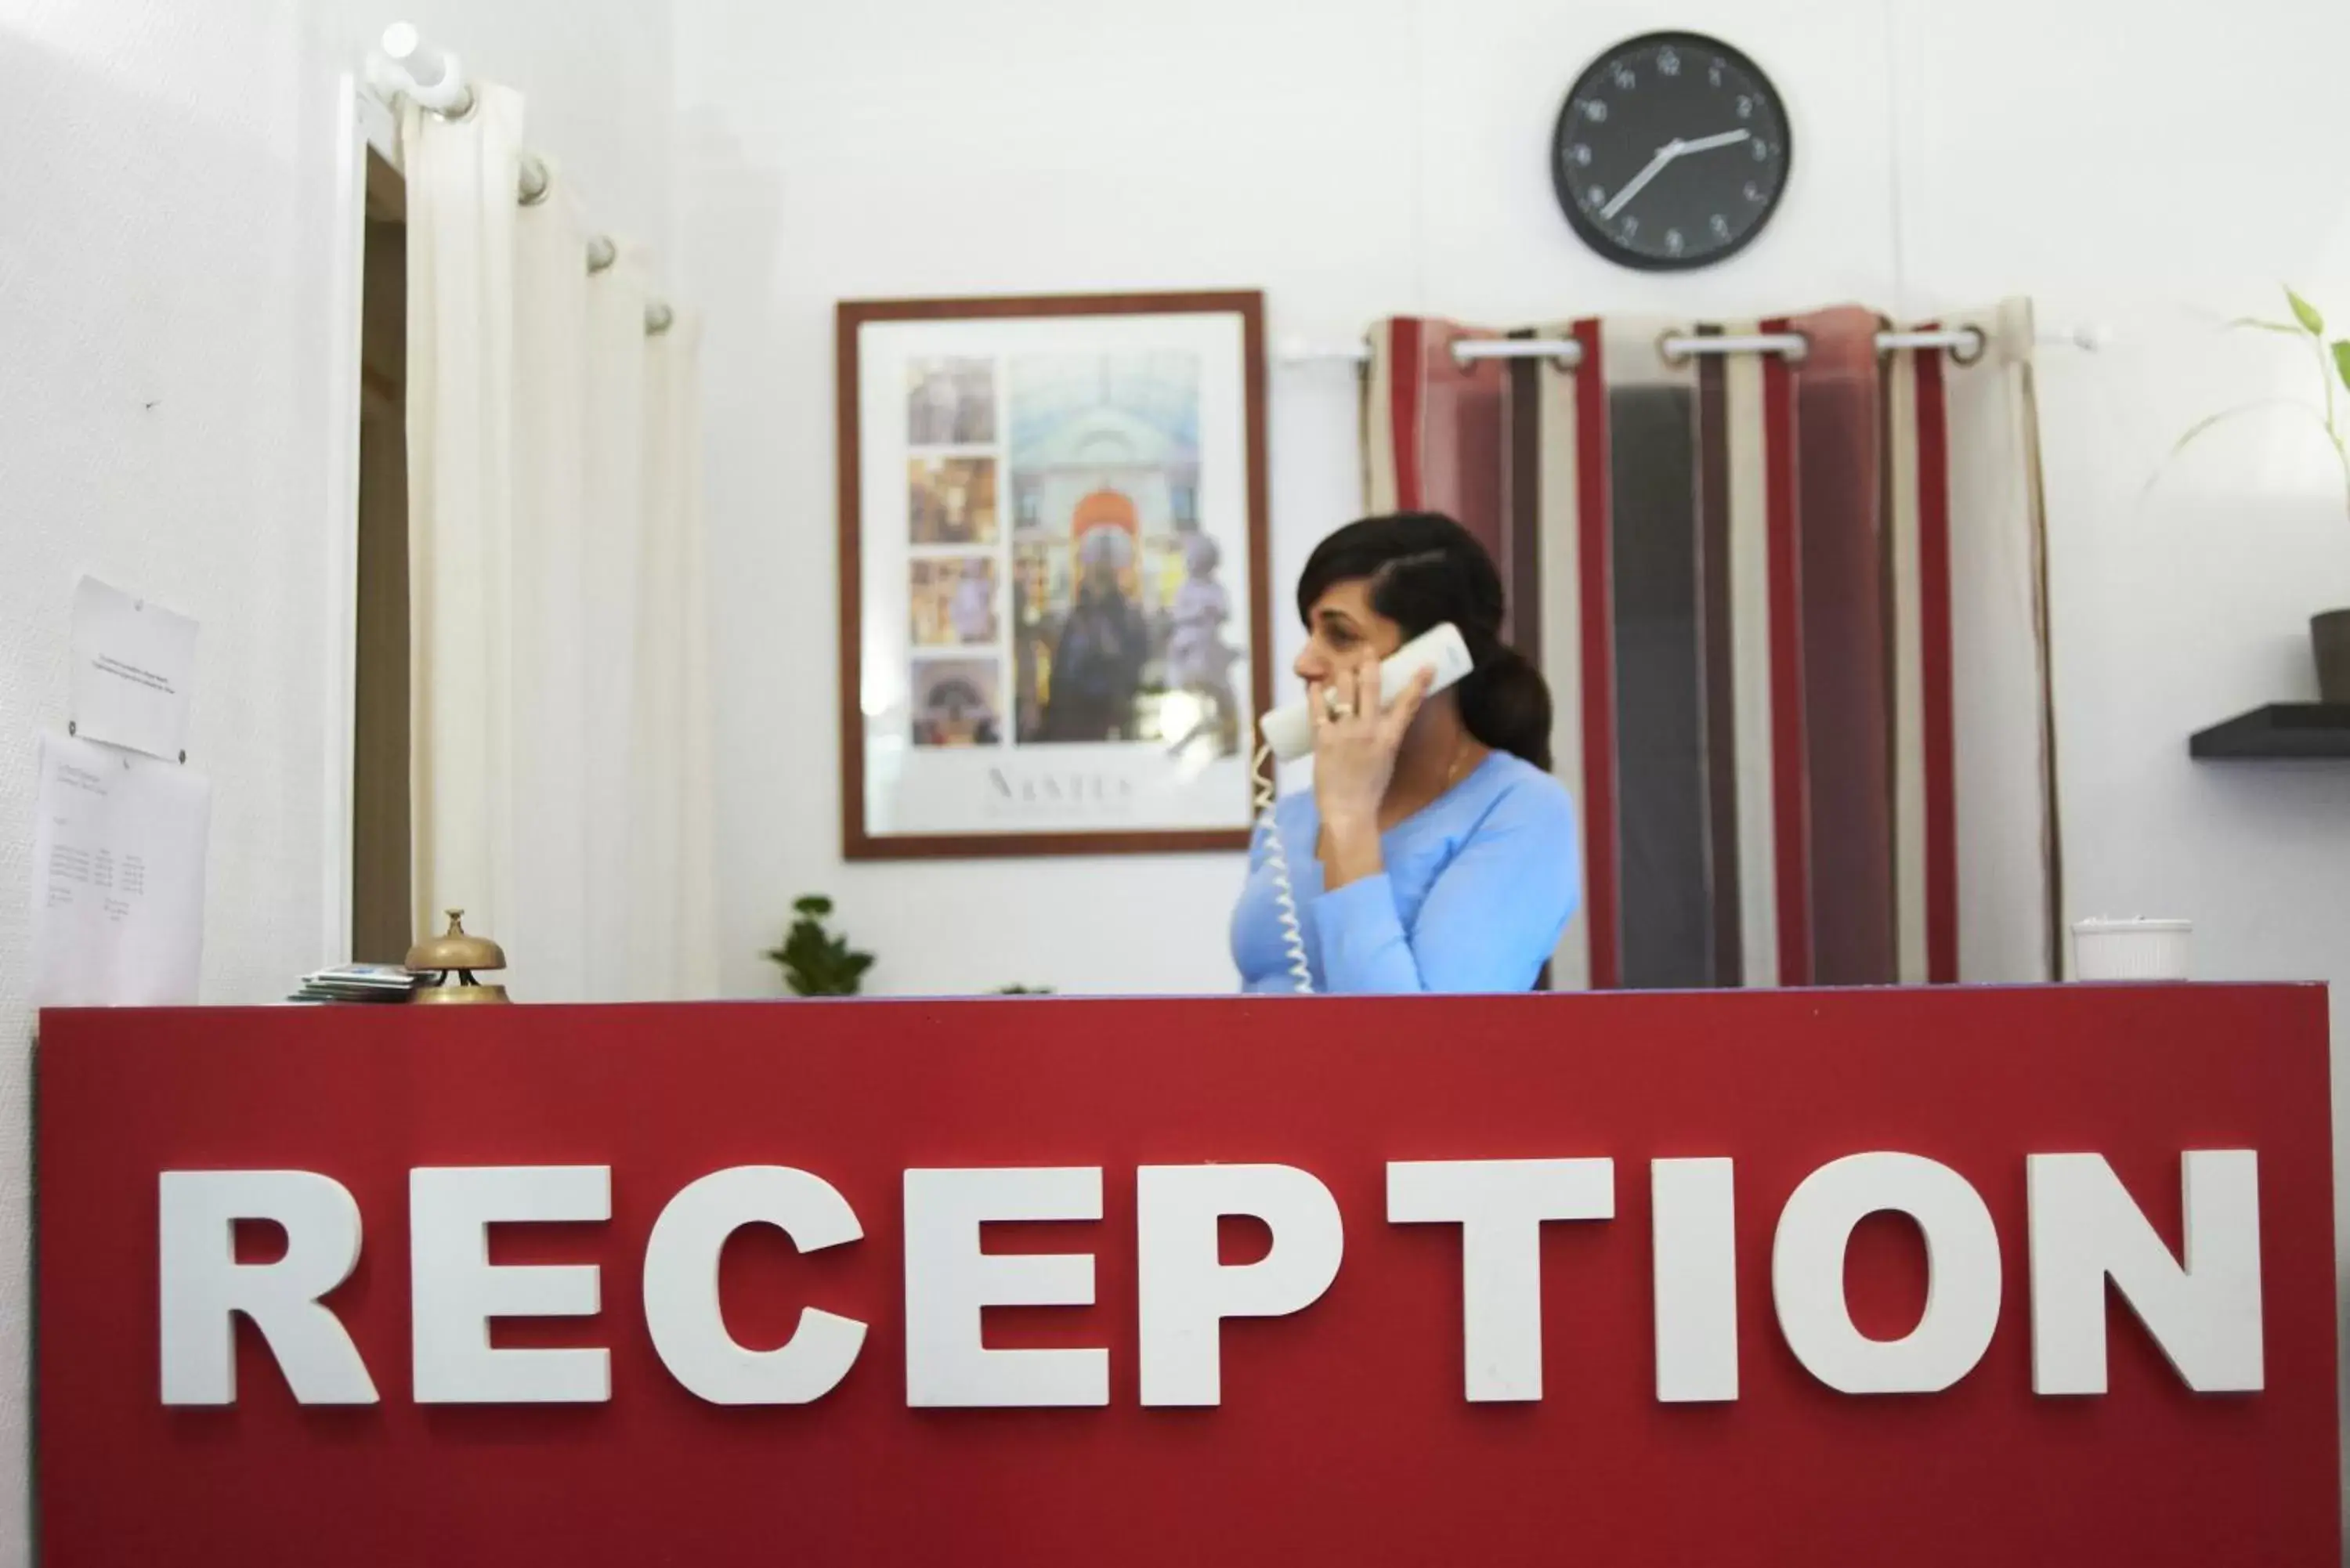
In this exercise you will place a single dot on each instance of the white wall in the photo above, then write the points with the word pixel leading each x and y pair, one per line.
pixel 934 149
pixel 1355 157
pixel 595 76
pixel 165 254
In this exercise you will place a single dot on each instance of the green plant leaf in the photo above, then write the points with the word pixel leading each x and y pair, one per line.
pixel 816 961
pixel 2257 325
pixel 2342 359
pixel 2306 314
pixel 2201 425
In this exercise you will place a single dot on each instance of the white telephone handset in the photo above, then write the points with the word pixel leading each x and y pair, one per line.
pixel 1290 731
pixel 1289 735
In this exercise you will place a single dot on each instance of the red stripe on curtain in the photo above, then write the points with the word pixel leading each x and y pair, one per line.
pixel 1937 666
pixel 1461 458
pixel 1846 699
pixel 1791 807
pixel 1404 352
pixel 1598 661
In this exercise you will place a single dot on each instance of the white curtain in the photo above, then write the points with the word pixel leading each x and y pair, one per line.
pixel 561 784
pixel 673 913
pixel 545 918
pixel 615 464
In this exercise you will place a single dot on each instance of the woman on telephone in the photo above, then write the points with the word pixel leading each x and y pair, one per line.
pixel 1435 851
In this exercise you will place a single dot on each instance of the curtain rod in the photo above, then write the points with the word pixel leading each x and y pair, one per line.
pixel 408 65
pixel 1568 351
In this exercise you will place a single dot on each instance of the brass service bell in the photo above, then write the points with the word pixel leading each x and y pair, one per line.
pixel 450 962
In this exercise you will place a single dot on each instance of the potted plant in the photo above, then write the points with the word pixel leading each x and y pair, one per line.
pixel 817 961
pixel 2329 630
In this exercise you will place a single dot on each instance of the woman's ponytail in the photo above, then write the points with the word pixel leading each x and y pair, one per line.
pixel 1506 703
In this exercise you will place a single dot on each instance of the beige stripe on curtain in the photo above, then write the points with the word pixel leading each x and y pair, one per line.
pixel 1905 599
pixel 1380 495
pixel 1558 472
pixel 2009 862
pixel 1750 662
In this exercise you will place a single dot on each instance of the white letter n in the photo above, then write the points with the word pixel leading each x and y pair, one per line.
pixel 2085 1228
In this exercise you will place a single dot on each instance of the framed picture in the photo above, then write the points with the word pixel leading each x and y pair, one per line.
pixel 1052 623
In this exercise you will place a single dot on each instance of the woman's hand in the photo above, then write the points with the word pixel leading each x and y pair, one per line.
pixel 1355 749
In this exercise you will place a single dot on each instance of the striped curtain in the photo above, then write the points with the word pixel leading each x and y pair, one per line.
pixel 1792 612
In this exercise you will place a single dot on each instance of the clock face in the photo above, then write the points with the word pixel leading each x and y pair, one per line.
pixel 1671 152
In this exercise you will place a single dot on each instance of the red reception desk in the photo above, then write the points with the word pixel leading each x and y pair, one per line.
pixel 1934 1278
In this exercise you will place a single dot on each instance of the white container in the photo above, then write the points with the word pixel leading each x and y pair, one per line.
pixel 2136 950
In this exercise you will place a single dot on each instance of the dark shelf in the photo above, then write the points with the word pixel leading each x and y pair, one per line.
pixel 2280 730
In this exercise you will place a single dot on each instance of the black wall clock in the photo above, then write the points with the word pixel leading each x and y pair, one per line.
pixel 1671 152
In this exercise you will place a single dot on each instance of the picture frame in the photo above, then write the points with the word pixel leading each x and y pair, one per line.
pixel 1054 628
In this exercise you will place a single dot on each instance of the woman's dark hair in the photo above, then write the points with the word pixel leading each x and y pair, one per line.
pixel 1425 569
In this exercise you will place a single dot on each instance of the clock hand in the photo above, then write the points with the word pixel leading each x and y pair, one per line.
pixel 1706 143
pixel 1665 155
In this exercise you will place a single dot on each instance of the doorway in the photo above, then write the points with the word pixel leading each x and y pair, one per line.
pixel 380 909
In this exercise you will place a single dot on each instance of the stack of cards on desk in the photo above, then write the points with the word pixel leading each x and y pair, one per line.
pixel 358 982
